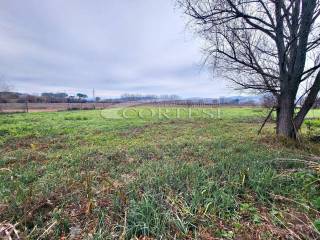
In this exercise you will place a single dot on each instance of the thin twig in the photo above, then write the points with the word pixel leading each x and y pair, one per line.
pixel 266 120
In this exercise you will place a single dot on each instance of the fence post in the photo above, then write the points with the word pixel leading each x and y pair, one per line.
pixel 26 107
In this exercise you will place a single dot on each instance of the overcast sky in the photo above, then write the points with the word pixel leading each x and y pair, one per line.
pixel 127 46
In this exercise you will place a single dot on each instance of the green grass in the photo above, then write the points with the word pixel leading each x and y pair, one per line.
pixel 176 178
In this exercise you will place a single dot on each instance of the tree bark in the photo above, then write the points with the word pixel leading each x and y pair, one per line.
pixel 287 123
pixel 285 127
pixel 308 103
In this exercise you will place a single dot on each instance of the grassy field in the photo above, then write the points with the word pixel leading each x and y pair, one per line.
pixel 84 175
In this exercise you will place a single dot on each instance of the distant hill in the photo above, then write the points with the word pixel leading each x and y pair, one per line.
pixel 241 99
pixel 230 100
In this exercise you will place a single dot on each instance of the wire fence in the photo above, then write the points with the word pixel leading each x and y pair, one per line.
pixel 49 107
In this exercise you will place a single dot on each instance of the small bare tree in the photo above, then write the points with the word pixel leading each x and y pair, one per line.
pixel 269 101
pixel 4 86
pixel 269 46
pixel 317 104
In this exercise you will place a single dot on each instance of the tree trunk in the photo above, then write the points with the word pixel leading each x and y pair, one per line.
pixel 285 113
pixel 287 123
pixel 277 118
pixel 308 103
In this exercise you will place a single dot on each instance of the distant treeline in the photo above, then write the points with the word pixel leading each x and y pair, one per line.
pixel 139 97
pixel 61 97
pixel 15 97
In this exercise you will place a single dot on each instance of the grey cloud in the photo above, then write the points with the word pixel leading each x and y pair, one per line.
pixel 113 46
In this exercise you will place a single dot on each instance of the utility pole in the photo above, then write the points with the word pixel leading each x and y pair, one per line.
pixel 26 104
pixel 94 99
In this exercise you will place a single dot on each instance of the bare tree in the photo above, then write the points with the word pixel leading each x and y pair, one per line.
pixel 4 86
pixel 269 46
pixel 317 103
pixel 269 101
